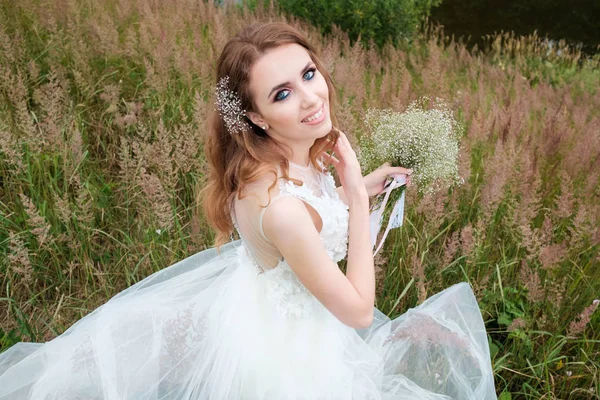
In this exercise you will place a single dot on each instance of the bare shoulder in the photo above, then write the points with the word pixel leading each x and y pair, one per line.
pixel 261 190
pixel 287 217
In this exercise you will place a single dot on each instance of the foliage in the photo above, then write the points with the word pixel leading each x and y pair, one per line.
pixel 576 22
pixel 8 339
pixel 379 21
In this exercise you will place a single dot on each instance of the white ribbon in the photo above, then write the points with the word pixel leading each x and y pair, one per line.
pixel 397 215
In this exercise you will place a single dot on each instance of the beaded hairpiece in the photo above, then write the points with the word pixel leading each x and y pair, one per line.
pixel 230 107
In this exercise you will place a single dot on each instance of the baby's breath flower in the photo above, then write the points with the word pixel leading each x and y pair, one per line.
pixel 427 141
pixel 229 106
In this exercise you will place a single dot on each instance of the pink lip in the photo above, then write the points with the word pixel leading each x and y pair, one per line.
pixel 318 120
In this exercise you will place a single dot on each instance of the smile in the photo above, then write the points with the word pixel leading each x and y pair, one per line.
pixel 316 116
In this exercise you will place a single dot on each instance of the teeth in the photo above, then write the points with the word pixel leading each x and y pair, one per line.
pixel 314 116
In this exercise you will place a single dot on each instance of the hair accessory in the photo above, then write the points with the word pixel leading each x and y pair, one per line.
pixel 230 107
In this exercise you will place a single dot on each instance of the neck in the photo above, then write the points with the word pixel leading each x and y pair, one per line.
pixel 300 153
pixel 296 150
pixel 300 163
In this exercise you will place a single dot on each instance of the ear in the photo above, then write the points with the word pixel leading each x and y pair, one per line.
pixel 255 118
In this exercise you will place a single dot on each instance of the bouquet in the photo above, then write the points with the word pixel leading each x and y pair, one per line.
pixel 424 139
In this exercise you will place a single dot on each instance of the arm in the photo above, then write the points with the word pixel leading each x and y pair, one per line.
pixel 342 195
pixel 288 224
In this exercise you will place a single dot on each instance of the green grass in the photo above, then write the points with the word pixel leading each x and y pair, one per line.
pixel 103 108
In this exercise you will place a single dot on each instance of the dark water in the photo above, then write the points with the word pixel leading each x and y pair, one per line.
pixel 577 21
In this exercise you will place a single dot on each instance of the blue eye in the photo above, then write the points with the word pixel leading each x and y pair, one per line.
pixel 308 75
pixel 311 72
pixel 279 97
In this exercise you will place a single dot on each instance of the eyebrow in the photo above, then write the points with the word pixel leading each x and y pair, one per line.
pixel 284 84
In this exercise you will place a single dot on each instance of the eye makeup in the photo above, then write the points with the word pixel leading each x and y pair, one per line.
pixel 310 67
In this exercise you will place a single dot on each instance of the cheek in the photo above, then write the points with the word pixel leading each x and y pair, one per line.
pixel 323 89
pixel 284 114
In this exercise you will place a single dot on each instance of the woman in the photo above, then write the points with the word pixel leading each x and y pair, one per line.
pixel 269 316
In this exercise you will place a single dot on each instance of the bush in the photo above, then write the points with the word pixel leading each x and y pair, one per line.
pixel 576 22
pixel 377 20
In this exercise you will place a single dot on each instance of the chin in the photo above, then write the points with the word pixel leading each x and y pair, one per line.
pixel 326 128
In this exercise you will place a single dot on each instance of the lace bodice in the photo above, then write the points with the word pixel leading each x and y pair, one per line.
pixel 283 289
pixel 332 210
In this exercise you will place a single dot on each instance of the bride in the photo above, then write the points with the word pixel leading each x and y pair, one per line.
pixel 268 316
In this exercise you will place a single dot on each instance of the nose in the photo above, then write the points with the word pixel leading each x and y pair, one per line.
pixel 309 97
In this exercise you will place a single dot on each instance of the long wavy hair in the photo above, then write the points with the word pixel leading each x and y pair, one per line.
pixel 237 160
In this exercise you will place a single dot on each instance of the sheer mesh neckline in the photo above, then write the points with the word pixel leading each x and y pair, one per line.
pixel 302 167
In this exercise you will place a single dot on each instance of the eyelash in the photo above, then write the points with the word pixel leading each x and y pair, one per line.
pixel 313 70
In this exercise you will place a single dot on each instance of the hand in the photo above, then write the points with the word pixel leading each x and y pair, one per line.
pixel 347 166
pixel 375 181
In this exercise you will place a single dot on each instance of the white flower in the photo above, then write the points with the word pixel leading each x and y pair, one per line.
pixel 426 140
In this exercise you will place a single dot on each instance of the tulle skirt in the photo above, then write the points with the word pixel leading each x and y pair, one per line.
pixel 203 329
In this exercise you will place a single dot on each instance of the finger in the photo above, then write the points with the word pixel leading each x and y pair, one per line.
pixel 329 144
pixel 339 147
pixel 398 171
pixel 347 141
pixel 330 158
pixel 333 158
pixel 344 144
pixel 343 138
pixel 345 147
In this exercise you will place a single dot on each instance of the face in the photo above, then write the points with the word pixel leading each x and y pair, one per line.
pixel 290 96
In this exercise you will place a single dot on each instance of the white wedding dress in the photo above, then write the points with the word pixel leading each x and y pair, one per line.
pixel 238 324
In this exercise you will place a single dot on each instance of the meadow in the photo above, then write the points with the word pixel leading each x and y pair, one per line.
pixel 103 111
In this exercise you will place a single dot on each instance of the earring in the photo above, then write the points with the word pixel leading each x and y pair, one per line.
pixel 264 127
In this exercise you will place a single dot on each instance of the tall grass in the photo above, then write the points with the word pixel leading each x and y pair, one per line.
pixel 103 107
